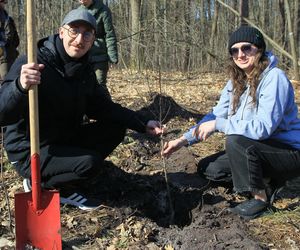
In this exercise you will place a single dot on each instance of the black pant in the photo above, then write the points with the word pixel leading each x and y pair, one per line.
pixel 246 162
pixel 78 161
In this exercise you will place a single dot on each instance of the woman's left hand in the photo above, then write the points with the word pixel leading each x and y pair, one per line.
pixel 204 130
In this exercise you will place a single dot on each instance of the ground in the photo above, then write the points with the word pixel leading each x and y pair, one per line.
pixel 154 203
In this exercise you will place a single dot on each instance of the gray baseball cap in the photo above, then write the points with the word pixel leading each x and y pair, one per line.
pixel 79 15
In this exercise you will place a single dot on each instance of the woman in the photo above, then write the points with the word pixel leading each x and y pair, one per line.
pixel 258 114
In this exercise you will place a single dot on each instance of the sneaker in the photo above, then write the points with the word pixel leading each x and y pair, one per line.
pixel 250 209
pixel 27 185
pixel 79 200
pixel 74 199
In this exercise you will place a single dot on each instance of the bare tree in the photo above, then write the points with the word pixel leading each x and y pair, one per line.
pixel 292 41
pixel 186 35
pixel 135 31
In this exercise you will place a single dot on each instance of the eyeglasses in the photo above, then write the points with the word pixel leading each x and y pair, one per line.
pixel 74 32
pixel 246 49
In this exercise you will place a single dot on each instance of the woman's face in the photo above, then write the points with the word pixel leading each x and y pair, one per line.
pixel 243 55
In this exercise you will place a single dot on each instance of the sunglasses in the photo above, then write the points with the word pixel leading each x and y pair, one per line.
pixel 246 49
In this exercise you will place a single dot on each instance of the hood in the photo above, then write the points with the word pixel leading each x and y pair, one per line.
pixel 272 63
pixel 48 52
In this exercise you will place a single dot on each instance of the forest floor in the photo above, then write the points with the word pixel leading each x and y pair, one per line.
pixel 163 204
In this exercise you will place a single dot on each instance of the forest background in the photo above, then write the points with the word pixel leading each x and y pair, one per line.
pixel 183 45
pixel 176 35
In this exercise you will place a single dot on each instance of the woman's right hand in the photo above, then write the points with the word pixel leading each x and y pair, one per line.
pixel 30 74
pixel 172 146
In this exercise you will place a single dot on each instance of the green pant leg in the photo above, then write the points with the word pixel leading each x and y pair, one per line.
pixel 101 70
pixel 3 70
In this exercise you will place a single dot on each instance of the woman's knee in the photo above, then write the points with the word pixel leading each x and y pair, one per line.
pixel 236 142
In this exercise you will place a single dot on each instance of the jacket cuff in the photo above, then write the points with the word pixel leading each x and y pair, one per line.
pixel 19 86
pixel 221 124
pixel 189 136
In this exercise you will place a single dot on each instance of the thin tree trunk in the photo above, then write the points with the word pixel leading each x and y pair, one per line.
pixel 213 32
pixel 292 41
pixel 244 11
pixel 187 22
pixel 135 31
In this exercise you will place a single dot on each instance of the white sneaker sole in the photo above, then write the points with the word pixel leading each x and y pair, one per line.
pixel 77 200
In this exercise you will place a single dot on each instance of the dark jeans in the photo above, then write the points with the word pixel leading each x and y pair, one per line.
pixel 246 162
pixel 78 161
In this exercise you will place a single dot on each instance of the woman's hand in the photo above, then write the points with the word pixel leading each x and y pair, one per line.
pixel 172 146
pixel 204 130
pixel 30 74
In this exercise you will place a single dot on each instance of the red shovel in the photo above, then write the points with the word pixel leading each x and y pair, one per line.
pixel 37 213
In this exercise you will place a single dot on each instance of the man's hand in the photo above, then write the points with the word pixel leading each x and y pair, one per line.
pixel 172 146
pixel 154 128
pixel 30 74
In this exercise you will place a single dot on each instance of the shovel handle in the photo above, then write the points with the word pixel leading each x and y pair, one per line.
pixel 33 109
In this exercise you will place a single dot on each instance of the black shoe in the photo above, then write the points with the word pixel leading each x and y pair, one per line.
pixel 250 209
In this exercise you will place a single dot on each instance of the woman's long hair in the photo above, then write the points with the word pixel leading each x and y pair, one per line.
pixel 240 79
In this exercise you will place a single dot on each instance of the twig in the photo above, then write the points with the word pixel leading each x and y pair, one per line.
pixel 172 213
pixel 3 184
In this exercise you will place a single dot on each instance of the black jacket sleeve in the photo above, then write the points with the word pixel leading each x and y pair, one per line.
pixel 101 107
pixel 13 101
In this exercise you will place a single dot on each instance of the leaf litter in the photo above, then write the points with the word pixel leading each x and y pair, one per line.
pixel 136 211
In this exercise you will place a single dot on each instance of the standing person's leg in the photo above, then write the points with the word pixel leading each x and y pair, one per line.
pixel 3 71
pixel 251 161
pixel 101 70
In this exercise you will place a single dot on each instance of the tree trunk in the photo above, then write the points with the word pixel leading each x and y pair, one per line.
pixel 292 41
pixel 244 11
pixel 187 35
pixel 213 33
pixel 135 31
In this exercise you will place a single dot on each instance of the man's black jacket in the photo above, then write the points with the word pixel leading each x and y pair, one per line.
pixel 62 101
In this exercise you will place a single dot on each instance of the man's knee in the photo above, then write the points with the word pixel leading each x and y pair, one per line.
pixel 89 166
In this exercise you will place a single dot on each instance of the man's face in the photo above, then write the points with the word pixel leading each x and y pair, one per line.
pixel 77 38
pixel 86 3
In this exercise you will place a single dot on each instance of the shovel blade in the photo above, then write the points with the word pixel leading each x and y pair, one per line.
pixel 38 228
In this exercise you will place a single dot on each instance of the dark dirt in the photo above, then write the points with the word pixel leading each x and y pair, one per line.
pixel 197 217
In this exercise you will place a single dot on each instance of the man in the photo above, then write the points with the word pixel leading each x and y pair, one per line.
pixel 9 40
pixel 71 153
pixel 104 50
